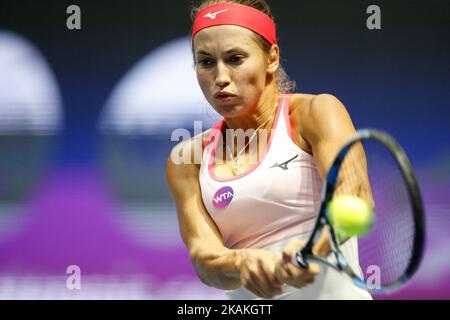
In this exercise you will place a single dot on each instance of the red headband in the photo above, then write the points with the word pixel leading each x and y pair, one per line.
pixel 236 14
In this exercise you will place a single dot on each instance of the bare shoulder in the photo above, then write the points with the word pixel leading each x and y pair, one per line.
pixel 185 157
pixel 185 151
pixel 316 114
pixel 298 107
pixel 301 100
pixel 325 105
pixel 303 106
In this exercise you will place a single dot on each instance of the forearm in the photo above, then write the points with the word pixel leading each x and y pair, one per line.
pixel 217 267
pixel 353 178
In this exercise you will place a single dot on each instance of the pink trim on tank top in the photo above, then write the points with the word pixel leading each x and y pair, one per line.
pixel 287 119
pixel 219 126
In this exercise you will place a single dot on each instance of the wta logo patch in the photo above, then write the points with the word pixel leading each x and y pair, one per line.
pixel 223 197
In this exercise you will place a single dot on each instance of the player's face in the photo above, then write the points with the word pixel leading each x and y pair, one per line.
pixel 231 69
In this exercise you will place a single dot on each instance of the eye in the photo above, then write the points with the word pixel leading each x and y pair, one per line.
pixel 205 62
pixel 236 59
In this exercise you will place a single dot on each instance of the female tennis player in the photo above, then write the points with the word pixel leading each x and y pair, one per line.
pixel 243 219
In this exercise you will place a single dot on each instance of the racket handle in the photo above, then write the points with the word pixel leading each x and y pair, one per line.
pixel 299 260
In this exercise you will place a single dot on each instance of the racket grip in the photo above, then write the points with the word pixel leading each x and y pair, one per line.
pixel 299 261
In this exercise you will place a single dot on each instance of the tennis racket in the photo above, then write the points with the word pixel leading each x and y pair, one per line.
pixel 373 166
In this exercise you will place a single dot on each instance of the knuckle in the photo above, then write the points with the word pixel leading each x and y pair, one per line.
pixel 253 271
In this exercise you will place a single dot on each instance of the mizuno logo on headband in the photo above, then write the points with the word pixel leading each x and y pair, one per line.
pixel 238 15
pixel 213 15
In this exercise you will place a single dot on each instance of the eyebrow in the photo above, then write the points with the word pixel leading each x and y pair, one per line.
pixel 233 49
pixel 203 52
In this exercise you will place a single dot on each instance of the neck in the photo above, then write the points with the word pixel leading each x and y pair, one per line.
pixel 264 109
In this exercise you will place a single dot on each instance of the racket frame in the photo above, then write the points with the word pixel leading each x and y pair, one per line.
pixel 305 254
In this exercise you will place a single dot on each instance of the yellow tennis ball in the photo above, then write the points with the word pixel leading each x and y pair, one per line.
pixel 350 215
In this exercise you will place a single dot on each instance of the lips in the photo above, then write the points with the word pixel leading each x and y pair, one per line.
pixel 224 96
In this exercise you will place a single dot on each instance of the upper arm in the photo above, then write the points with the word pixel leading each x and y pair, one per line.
pixel 326 127
pixel 196 226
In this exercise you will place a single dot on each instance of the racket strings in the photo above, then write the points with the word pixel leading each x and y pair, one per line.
pixel 370 172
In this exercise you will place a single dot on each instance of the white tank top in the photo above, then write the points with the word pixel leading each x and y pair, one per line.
pixel 277 198
pixel 272 202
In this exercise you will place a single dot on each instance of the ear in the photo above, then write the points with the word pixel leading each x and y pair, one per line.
pixel 273 59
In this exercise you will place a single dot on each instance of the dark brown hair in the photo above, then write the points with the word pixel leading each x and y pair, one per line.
pixel 284 84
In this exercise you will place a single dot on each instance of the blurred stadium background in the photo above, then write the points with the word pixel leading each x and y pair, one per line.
pixel 86 118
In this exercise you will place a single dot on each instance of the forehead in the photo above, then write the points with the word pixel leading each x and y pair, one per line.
pixel 221 37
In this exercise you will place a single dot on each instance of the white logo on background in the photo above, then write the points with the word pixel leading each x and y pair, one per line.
pixel 73 281
pixel 214 14
pixel 74 20
pixel 374 20
pixel 374 278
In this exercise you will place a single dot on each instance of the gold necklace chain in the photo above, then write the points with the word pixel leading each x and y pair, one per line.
pixel 236 166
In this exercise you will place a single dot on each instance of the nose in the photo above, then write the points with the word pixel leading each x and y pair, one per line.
pixel 222 76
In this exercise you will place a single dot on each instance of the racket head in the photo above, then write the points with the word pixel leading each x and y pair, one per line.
pixel 389 255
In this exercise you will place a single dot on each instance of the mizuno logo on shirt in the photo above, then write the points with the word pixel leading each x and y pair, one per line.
pixel 213 15
pixel 283 165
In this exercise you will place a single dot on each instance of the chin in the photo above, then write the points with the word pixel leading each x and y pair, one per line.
pixel 230 111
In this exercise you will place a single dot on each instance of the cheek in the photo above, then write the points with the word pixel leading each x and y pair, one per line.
pixel 252 76
pixel 203 80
